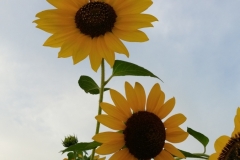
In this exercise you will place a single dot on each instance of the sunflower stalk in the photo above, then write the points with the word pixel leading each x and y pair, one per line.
pixel 101 92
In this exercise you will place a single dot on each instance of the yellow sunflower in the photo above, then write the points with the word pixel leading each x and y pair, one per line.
pixel 141 133
pixel 94 28
pixel 228 148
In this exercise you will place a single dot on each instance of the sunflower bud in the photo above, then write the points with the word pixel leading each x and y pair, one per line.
pixel 69 141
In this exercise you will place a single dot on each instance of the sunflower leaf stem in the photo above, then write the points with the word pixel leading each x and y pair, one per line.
pixel 101 92
pixel 202 155
pixel 106 82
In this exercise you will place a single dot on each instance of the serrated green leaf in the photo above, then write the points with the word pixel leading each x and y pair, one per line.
pixel 89 85
pixel 199 136
pixel 123 68
pixel 190 155
pixel 82 146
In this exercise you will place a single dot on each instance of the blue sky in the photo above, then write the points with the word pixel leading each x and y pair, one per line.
pixel 194 48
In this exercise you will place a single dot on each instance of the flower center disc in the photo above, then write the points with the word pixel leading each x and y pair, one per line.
pixel 144 135
pixel 95 19
pixel 232 150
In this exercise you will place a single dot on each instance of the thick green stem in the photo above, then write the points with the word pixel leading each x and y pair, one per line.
pixel 101 90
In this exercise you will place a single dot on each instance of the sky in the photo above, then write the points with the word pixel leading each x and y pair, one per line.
pixel 194 48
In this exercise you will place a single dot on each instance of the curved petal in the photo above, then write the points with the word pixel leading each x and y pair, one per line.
pixel 164 155
pixel 110 122
pixel 159 103
pixel 130 36
pixel 56 13
pixel 120 155
pixel 221 143
pixel 120 102
pixel 166 108
pixel 94 57
pixel 104 51
pixel 153 97
pixel 175 135
pixel 174 121
pixel 141 96
pixel 109 137
pixel 134 8
pixel 214 156
pixel 137 18
pixel 131 97
pixel 173 150
pixel 130 26
pixel 109 148
pixel 83 49
pixel 63 4
pixel 113 111
pixel 115 44
pixel 57 39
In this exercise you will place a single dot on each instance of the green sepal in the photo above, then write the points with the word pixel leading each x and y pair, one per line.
pixel 123 68
pixel 89 85
pixel 199 136
pixel 83 146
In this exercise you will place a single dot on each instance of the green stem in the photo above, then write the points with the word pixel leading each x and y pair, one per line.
pixel 203 155
pixel 101 90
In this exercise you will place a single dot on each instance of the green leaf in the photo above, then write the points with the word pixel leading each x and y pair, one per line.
pixel 89 85
pixel 82 146
pixel 122 68
pixel 190 155
pixel 199 136
pixel 71 155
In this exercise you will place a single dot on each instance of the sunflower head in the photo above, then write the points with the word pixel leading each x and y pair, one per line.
pixel 228 148
pixel 83 28
pixel 142 131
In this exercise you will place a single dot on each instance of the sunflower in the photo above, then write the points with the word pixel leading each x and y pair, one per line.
pixel 94 28
pixel 141 134
pixel 227 148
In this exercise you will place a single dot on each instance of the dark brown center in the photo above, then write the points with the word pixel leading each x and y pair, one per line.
pixel 95 19
pixel 144 135
pixel 232 149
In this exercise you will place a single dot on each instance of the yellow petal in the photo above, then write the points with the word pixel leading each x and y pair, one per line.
pixel 135 7
pixel 137 18
pixel 104 51
pixel 221 143
pixel 173 150
pixel 57 39
pixel 164 155
pixel 131 97
pixel 130 26
pixel 113 111
pixel 56 13
pixel 166 108
pixel 68 47
pixel 153 97
pixel 175 135
pixel 115 44
pixel 120 155
pixel 214 156
pixel 141 96
pixel 109 148
pixel 94 56
pixel 120 102
pixel 109 137
pixel 130 36
pixel 111 122
pixel 159 103
pixel 83 49
pixel 174 121
pixel 62 4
